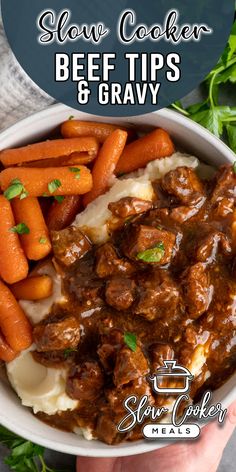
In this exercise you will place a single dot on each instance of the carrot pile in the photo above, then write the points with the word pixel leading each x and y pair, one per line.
pixel 69 173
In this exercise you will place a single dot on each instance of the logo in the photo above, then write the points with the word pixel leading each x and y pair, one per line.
pixel 174 420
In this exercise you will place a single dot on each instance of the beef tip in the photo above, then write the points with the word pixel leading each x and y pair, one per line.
pixel 184 185
pixel 129 206
pixel 224 207
pixel 138 387
pixel 57 334
pixel 210 246
pixel 106 428
pixel 85 381
pixel 140 238
pixel 225 185
pixel 129 366
pixel 159 353
pixel 159 297
pixel 109 263
pixel 197 290
pixel 69 245
pixel 120 292
pixel 111 343
pixel 183 213
pixel 54 359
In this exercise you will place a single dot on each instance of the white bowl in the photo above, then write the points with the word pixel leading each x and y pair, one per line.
pixel 192 138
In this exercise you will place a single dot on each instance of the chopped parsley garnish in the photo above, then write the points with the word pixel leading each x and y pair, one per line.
pixel 54 185
pixel 130 340
pixel 76 170
pixel 68 352
pixel 234 167
pixel 152 255
pixel 42 240
pixel 15 189
pixel 21 228
pixel 71 117
pixel 59 198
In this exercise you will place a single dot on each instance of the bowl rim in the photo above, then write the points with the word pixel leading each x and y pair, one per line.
pixel 141 446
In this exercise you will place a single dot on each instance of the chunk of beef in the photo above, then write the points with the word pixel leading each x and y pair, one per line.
pixel 159 353
pixel 57 334
pixel 106 427
pixel 138 387
pixel 197 289
pixel 69 245
pixel 120 292
pixel 54 359
pixel 211 245
pixel 129 206
pixel 111 343
pixel 129 366
pixel 224 207
pixel 109 263
pixel 159 297
pixel 140 238
pixel 184 185
pixel 85 381
pixel 225 185
pixel 183 213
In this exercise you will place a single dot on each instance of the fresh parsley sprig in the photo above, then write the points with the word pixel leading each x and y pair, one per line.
pixel 220 120
pixel 24 456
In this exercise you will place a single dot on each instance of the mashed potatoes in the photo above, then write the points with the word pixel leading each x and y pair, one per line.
pixel 43 388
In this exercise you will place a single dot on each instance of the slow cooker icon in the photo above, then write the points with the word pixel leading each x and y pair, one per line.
pixel 171 378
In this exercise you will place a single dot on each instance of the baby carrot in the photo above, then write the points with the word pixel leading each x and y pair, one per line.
pixel 13 322
pixel 35 242
pixel 137 154
pixel 101 131
pixel 48 149
pixel 6 352
pixel 62 214
pixel 13 263
pixel 77 158
pixel 33 288
pixel 105 164
pixel 47 182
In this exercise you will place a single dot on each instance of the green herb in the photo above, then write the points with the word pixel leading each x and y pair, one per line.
pixel 68 352
pixel 71 117
pixel 21 228
pixel 45 194
pixel 131 340
pixel 76 170
pixel 15 189
pixel 220 120
pixel 152 255
pixel 42 240
pixel 59 198
pixel 24 456
pixel 54 185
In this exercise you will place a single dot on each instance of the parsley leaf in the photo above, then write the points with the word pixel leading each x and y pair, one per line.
pixel 71 117
pixel 24 456
pixel 68 352
pixel 231 131
pixel 54 185
pixel 15 189
pixel 76 170
pixel 59 198
pixel 152 255
pixel 130 340
pixel 21 228
pixel 42 240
